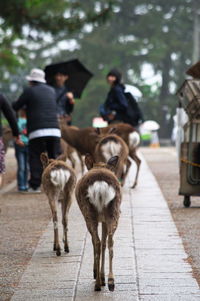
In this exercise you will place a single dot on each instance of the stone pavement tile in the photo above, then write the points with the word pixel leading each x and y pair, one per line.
pixel 167 297
pixel 109 296
pixel 162 270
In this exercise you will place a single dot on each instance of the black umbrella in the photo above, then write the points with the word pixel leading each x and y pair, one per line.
pixel 79 75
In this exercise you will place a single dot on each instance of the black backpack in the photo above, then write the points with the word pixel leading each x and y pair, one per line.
pixel 133 115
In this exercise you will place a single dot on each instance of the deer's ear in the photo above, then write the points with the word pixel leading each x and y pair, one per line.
pixel 112 162
pixel 89 162
pixel 44 159
pixel 112 130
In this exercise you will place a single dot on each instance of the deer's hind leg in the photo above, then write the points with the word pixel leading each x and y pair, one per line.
pixel 137 160
pixel 103 249
pixel 93 229
pixel 56 245
pixel 66 203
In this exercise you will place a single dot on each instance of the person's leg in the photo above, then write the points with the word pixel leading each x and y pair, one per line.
pixel 53 147
pixel 36 147
pixel 26 166
pixel 2 160
pixel 19 153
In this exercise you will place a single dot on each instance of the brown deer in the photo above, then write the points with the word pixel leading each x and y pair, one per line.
pixel 132 139
pixel 98 195
pixel 58 180
pixel 85 142
pixel 110 145
pixel 68 154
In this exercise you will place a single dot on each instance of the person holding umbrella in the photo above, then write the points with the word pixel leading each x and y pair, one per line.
pixel 64 98
pixel 69 80
pixel 44 133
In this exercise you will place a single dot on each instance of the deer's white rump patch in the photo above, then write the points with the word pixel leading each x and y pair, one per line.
pixel 59 177
pixel 111 149
pixel 100 194
pixel 134 139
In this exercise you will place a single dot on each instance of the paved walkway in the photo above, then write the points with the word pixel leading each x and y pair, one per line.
pixel 150 263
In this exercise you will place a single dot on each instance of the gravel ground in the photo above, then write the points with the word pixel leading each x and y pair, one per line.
pixel 164 165
pixel 10 174
pixel 23 218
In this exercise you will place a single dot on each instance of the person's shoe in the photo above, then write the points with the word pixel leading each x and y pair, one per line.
pixel 22 190
pixel 32 190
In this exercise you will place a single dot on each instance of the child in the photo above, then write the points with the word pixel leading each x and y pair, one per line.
pixel 21 153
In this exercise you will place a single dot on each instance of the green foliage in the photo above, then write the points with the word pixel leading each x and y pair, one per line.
pixel 109 33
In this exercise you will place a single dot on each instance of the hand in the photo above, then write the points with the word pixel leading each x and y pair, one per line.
pixel 18 141
pixel 70 96
pixel 111 116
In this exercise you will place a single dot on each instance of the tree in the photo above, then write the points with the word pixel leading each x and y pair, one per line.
pixel 155 32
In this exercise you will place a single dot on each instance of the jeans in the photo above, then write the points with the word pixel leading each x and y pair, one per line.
pixel 21 153
pixel 48 144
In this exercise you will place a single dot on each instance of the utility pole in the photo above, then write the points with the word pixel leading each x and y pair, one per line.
pixel 196 33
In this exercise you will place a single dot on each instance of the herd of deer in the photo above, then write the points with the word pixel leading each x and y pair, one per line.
pixel 98 192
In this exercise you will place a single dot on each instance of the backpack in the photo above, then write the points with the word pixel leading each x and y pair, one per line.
pixel 133 115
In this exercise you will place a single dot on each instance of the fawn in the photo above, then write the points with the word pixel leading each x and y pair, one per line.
pixel 58 180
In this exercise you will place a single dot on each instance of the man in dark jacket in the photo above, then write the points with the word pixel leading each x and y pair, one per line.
pixel 43 130
pixel 116 103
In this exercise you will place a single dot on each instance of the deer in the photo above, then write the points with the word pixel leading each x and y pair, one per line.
pixel 67 154
pixel 98 194
pixel 58 181
pixel 110 145
pixel 85 142
pixel 132 138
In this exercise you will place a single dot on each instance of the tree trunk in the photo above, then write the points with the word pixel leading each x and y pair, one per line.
pixel 164 94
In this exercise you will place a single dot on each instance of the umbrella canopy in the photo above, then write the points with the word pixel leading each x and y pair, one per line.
pixel 78 74
pixel 134 91
pixel 151 125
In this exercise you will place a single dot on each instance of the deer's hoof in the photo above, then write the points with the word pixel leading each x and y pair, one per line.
pixel 54 247
pixel 58 252
pixel 111 285
pixel 97 288
pixel 134 185
pixel 67 249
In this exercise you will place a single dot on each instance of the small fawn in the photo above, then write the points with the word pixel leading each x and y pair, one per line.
pixel 98 194
pixel 58 180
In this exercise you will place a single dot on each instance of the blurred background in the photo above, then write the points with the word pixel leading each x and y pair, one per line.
pixel 152 42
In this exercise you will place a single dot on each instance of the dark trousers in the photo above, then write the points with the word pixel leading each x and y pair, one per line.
pixel 49 144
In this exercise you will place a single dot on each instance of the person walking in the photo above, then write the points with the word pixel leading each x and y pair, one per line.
pixel 21 153
pixel 64 98
pixel 115 106
pixel 6 109
pixel 42 124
